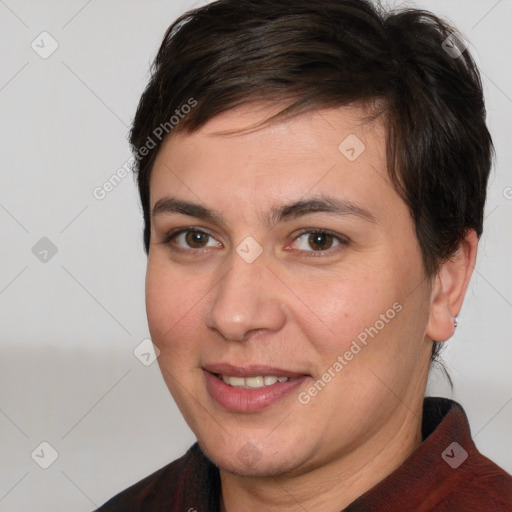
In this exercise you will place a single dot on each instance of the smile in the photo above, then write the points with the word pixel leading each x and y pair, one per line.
pixel 251 382
pixel 250 388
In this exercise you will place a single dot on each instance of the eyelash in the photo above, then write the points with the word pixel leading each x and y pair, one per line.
pixel 172 235
pixel 340 239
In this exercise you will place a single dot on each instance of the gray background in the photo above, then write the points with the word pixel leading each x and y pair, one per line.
pixel 69 324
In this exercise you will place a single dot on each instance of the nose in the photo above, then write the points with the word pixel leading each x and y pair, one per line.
pixel 245 301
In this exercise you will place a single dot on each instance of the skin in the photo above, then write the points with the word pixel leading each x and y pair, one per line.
pixel 294 307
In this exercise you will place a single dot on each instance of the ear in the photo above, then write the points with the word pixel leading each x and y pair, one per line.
pixel 449 288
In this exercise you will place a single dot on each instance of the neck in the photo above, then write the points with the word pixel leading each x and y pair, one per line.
pixel 334 485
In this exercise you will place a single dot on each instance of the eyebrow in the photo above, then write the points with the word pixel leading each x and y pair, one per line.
pixel 293 210
pixel 319 204
pixel 173 205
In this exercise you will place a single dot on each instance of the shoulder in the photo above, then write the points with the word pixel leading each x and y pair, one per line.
pixel 466 479
pixel 480 485
pixel 446 473
pixel 157 490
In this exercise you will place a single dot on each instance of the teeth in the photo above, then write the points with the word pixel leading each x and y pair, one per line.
pixel 234 381
pixel 252 382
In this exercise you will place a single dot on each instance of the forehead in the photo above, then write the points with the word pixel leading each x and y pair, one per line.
pixel 317 130
pixel 333 150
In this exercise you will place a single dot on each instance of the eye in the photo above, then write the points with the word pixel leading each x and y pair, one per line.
pixel 317 241
pixel 191 239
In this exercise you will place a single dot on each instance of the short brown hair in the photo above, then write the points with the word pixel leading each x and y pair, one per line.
pixel 328 53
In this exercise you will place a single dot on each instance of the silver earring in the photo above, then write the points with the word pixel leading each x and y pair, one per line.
pixel 455 322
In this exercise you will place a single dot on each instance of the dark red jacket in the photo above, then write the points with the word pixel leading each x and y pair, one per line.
pixel 446 473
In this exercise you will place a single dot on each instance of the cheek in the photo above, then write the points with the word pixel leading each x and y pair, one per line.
pixel 160 301
pixel 174 317
pixel 173 307
pixel 368 314
pixel 343 305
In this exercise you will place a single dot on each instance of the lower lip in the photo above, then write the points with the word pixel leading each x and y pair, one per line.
pixel 248 400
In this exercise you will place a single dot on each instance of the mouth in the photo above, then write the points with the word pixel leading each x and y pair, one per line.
pixel 256 382
pixel 250 388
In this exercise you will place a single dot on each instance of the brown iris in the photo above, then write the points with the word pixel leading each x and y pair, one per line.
pixel 196 239
pixel 320 241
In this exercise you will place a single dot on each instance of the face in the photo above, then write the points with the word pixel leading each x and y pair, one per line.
pixel 285 290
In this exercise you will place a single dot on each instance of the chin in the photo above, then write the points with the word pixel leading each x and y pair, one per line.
pixel 249 460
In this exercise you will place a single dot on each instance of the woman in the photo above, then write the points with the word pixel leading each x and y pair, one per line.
pixel 313 178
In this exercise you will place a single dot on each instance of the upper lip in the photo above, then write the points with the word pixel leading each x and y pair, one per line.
pixel 230 370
